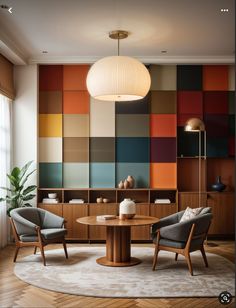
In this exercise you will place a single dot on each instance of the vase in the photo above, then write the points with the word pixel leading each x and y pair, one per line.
pixel 218 186
pixel 121 185
pixel 126 184
pixel 131 181
pixel 127 209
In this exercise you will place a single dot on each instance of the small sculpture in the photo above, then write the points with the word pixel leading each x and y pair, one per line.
pixel 131 181
pixel 121 185
pixel 126 184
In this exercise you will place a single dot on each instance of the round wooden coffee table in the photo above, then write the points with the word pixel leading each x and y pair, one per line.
pixel 118 238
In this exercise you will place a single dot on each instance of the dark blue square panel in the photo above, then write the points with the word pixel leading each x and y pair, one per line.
pixel 217 147
pixel 187 143
pixel 132 149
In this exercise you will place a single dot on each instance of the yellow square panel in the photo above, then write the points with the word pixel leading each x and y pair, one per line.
pixel 50 125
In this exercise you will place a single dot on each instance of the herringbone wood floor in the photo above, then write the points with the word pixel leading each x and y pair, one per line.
pixel 16 293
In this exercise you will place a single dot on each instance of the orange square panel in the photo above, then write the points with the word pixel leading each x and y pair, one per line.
pixel 163 175
pixel 74 77
pixel 163 125
pixel 215 77
pixel 75 102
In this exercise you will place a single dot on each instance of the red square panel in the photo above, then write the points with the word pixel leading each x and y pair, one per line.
pixel 190 102
pixel 50 77
pixel 215 77
pixel 74 77
pixel 231 146
pixel 216 102
pixel 163 125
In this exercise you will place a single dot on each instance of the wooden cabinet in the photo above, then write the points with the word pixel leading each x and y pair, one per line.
pixel 141 232
pixel 53 208
pixel 162 210
pixel 222 205
pixel 191 199
pixel 75 230
pixel 95 209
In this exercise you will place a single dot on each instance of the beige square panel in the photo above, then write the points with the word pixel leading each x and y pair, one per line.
pixel 50 150
pixel 102 118
pixel 163 77
pixel 232 77
pixel 76 125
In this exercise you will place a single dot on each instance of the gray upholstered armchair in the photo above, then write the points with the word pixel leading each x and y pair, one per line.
pixel 37 227
pixel 182 237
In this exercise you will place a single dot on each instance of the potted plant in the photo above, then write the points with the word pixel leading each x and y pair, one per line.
pixel 19 195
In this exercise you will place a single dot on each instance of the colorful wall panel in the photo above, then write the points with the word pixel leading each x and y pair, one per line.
pixel 88 143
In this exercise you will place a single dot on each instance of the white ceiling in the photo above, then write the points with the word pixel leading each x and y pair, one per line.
pixel 76 31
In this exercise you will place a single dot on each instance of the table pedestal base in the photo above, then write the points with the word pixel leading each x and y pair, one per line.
pixel 118 246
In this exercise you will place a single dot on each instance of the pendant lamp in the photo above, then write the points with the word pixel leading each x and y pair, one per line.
pixel 118 78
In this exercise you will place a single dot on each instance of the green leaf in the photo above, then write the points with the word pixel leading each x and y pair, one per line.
pixel 13 180
pixel 29 189
pixel 27 205
pixel 15 172
pixel 24 169
pixel 28 197
pixel 2 199
pixel 26 178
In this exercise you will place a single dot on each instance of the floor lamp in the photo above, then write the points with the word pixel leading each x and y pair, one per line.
pixel 197 125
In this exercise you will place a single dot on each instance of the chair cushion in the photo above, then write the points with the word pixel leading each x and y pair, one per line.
pixel 28 238
pixel 49 234
pixel 169 243
pixel 190 213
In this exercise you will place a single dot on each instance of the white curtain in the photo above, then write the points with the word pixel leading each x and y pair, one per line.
pixel 5 162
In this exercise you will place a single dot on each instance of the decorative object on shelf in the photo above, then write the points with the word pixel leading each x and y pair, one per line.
pixel 162 201
pixel 126 184
pixel 131 181
pixel 127 209
pixel 99 200
pixel 105 200
pixel 50 200
pixel 121 185
pixel 197 125
pixel 76 201
pixel 19 195
pixel 218 186
pixel 105 217
pixel 109 78
pixel 52 195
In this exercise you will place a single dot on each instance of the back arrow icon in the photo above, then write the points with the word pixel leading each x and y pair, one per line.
pixel 10 10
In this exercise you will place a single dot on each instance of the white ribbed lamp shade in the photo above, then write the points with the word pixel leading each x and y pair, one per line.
pixel 118 78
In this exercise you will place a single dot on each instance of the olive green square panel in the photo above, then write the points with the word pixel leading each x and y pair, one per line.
pixel 102 149
pixel 76 149
pixel 76 175
pixel 132 125
pixel 76 125
pixel 163 77
pixel 163 102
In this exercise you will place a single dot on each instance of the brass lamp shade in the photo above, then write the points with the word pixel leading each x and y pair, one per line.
pixel 194 125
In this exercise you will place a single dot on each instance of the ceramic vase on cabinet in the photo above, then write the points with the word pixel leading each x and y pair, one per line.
pixel 127 209
pixel 121 185
pixel 131 181
pixel 126 184
pixel 218 186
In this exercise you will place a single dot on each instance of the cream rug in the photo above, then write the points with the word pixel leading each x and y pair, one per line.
pixel 81 275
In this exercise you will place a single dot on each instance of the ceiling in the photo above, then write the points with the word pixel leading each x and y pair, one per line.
pixel 76 31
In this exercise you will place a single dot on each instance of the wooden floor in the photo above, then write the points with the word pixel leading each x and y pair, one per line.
pixel 16 293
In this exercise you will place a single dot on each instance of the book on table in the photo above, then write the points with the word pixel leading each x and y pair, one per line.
pixel 105 217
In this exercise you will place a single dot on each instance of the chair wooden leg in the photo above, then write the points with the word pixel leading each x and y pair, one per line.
pixel 187 256
pixel 155 257
pixel 35 250
pixel 42 254
pixel 176 256
pixel 204 256
pixel 16 253
pixel 64 245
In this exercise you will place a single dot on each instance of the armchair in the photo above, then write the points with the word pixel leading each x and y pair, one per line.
pixel 37 227
pixel 170 234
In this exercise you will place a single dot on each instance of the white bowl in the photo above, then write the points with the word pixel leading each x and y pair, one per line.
pixel 52 196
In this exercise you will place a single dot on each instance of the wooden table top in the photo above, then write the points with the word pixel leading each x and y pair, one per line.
pixel 138 220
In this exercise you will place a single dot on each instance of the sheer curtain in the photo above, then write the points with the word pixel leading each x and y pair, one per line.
pixel 5 162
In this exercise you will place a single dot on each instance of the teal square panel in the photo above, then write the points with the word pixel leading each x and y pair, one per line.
pixel 76 175
pixel 102 175
pixel 132 125
pixel 139 171
pixel 50 175
pixel 132 149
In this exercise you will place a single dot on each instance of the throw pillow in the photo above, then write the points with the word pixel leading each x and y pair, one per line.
pixel 190 213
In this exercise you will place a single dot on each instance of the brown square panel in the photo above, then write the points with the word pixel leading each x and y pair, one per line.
pixel 76 149
pixel 50 102
pixel 163 102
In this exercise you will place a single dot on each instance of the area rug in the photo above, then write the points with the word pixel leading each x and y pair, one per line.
pixel 81 275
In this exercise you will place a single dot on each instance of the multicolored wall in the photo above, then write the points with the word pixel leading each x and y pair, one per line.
pixel 87 143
